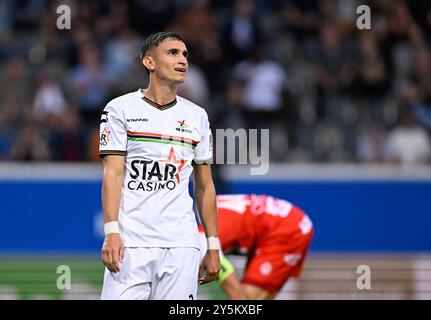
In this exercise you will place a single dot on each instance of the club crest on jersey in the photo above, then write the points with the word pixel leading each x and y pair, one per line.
pixel 265 268
pixel 182 126
pixel 149 175
pixel 104 137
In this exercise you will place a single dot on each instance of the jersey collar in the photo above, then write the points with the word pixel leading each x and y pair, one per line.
pixel 160 107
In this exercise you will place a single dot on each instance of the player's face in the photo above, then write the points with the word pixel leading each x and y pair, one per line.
pixel 170 61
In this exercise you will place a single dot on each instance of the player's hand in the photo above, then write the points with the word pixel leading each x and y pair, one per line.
pixel 113 252
pixel 210 267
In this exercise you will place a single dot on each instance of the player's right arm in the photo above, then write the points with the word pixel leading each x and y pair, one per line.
pixel 113 249
pixel 113 149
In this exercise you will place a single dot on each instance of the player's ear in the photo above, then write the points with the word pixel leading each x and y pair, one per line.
pixel 148 62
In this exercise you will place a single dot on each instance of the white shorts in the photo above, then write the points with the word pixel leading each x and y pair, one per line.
pixel 154 274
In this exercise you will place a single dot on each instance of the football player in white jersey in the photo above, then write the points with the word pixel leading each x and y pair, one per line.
pixel 151 141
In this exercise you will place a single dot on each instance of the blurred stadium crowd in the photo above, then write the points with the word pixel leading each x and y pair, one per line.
pixel 328 91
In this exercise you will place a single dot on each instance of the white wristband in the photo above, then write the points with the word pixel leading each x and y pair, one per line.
pixel 213 243
pixel 111 227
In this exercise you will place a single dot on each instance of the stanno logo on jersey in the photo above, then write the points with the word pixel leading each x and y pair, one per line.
pixel 183 126
pixel 137 120
pixel 104 137
pixel 150 175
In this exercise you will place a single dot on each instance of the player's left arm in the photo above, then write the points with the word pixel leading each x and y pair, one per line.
pixel 205 196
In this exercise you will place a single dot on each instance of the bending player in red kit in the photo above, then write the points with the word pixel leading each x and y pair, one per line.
pixel 274 235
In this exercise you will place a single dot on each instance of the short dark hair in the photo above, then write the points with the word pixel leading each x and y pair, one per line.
pixel 155 39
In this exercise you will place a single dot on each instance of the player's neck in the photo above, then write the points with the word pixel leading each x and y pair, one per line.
pixel 160 93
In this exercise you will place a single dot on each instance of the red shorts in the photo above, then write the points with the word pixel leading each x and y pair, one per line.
pixel 274 263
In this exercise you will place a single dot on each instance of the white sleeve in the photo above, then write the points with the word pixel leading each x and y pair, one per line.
pixel 113 132
pixel 203 153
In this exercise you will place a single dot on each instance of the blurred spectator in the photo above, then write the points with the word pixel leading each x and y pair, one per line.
pixel 122 62
pixel 198 24
pixel 421 11
pixel 301 18
pixel 5 19
pixel 90 84
pixel 328 142
pixel 408 143
pixel 26 13
pixel 398 24
pixel 371 144
pixel 15 80
pixel 230 110
pixel 419 100
pixel 240 34
pixel 334 68
pixel 265 82
pixel 13 114
pixel 122 54
pixel 264 99
pixel 7 137
pixel 81 36
pixel 68 138
pixel 372 80
pixel 31 145
pixel 49 101
pixel 10 118
pixel 150 16
pixel 416 89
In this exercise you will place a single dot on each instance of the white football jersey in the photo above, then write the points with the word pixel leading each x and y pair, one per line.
pixel 159 143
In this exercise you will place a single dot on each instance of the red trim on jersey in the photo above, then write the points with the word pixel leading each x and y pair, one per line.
pixel 160 135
